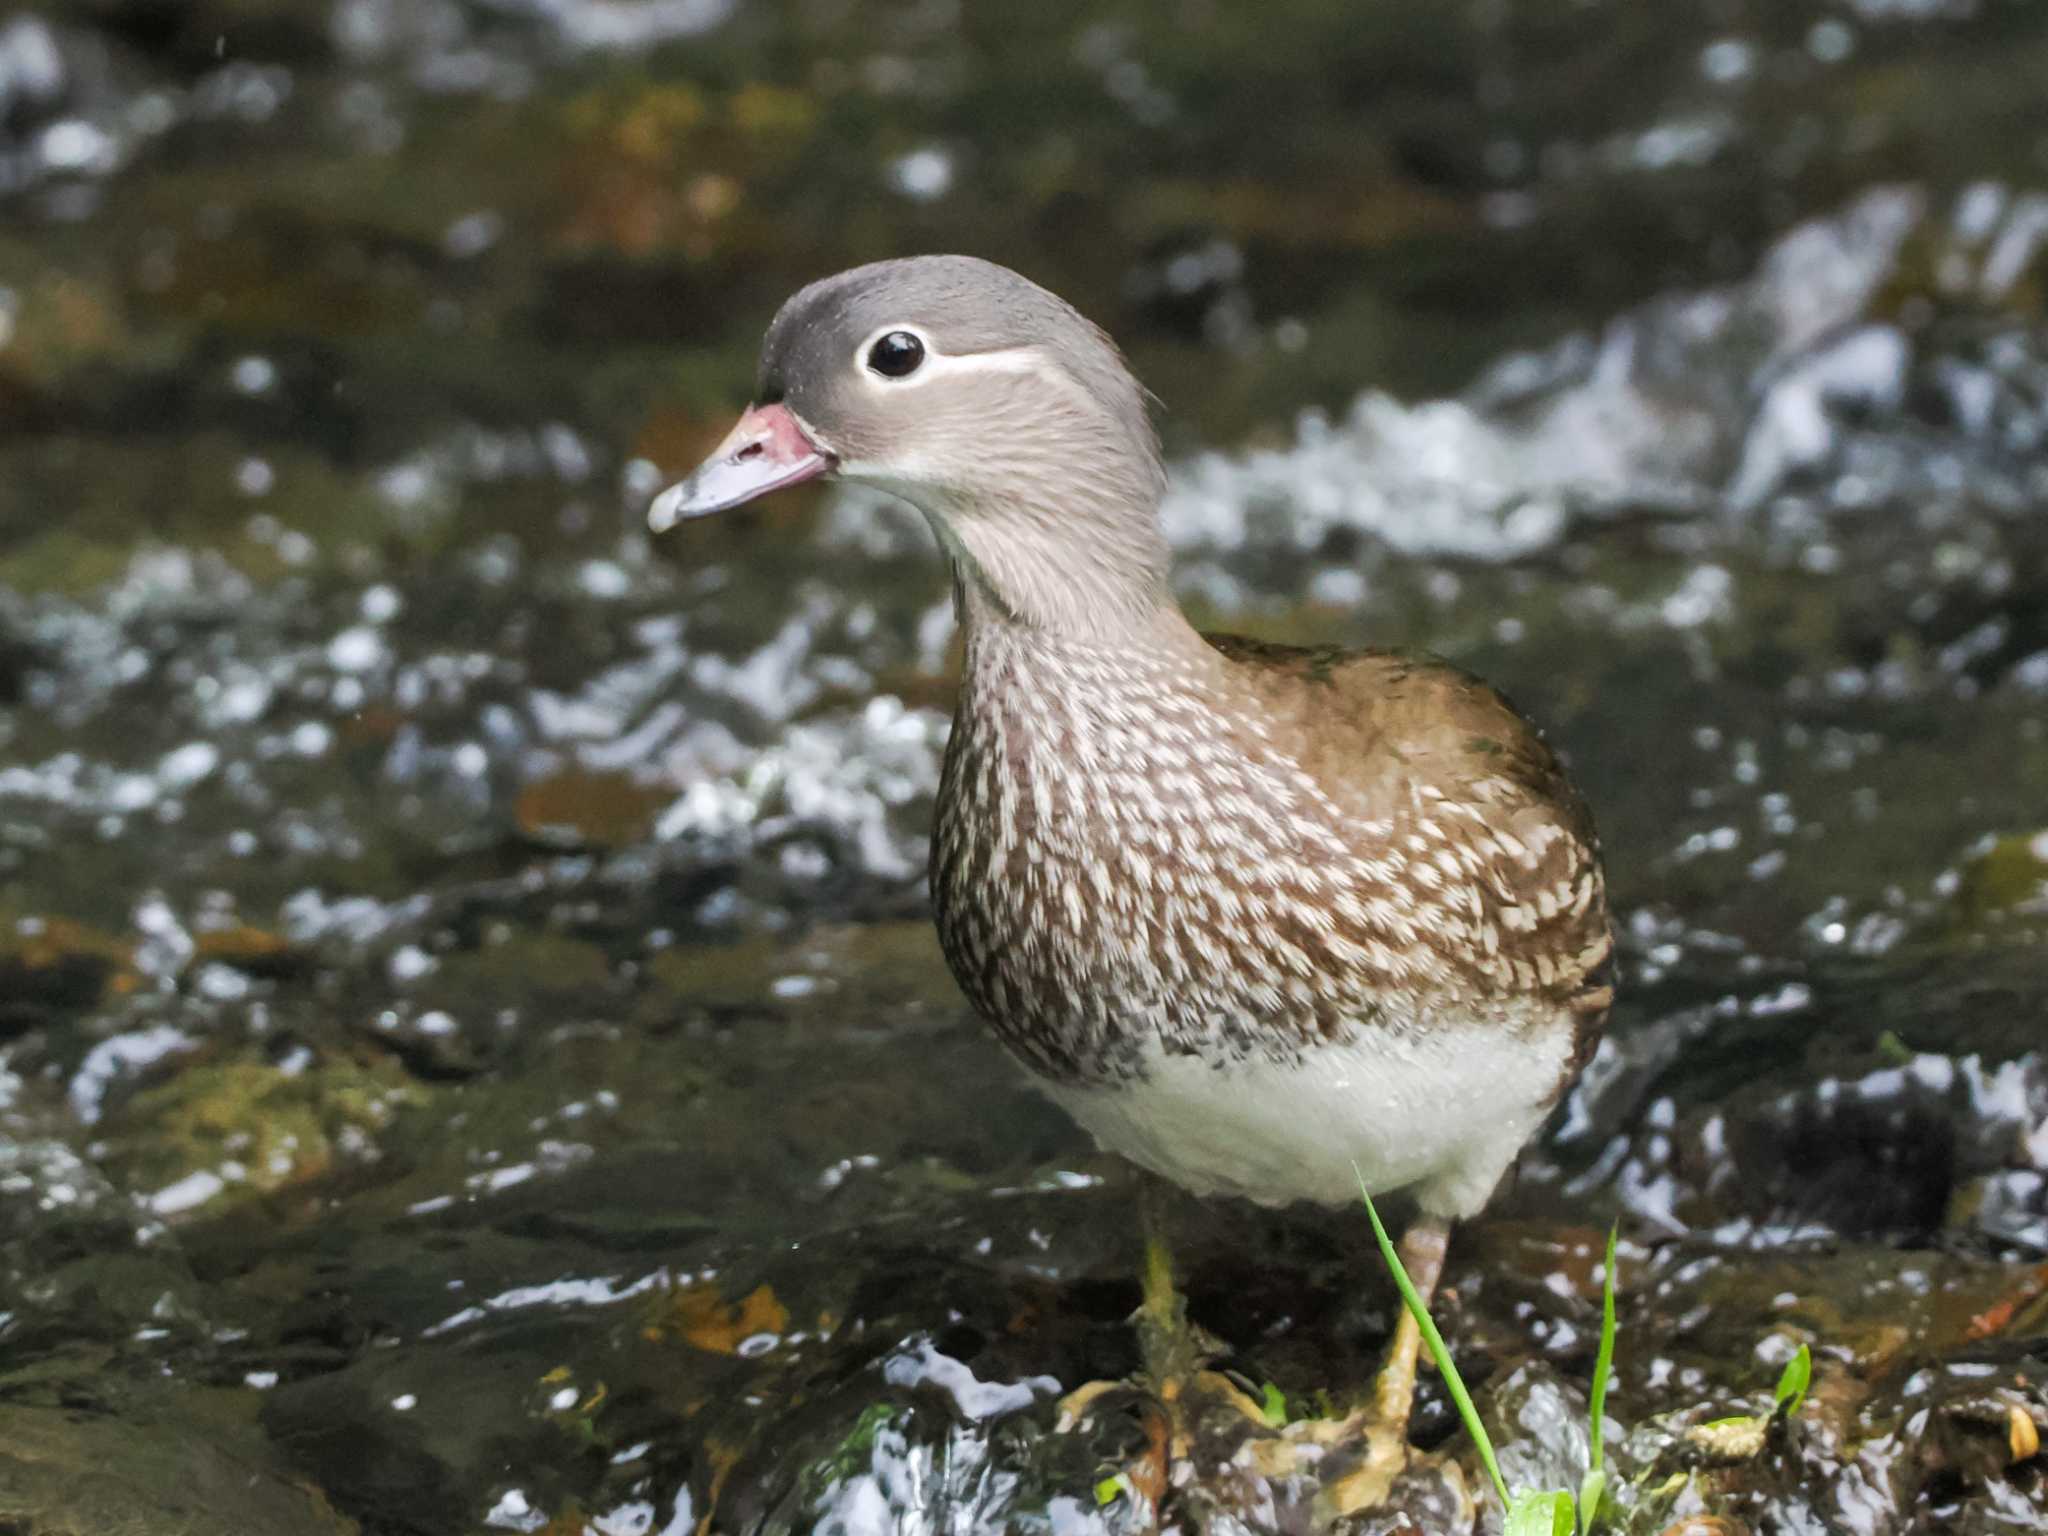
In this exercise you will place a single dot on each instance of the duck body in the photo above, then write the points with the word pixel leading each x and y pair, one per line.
pixel 1269 920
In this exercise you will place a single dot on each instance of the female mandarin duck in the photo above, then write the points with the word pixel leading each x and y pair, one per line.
pixel 1267 921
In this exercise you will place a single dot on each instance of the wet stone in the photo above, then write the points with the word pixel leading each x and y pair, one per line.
pixel 51 969
pixel 99 1473
pixel 80 1262
pixel 238 1129
pixel 605 810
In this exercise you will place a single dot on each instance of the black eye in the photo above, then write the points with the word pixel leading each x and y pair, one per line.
pixel 896 355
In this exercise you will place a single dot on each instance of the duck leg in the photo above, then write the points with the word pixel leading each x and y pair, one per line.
pixel 1366 1449
pixel 1422 1250
pixel 1172 1351
pixel 1168 1345
pixel 1380 1426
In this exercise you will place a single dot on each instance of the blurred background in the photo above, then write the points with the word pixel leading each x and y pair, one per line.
pixel 474 1053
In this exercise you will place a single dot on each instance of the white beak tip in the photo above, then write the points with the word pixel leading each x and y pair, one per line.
pixel 666 510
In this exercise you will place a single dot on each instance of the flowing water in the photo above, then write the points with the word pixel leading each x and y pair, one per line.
pixel 474 1054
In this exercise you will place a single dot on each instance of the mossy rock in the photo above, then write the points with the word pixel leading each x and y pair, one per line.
pixel 257 1127
pixel 2009 878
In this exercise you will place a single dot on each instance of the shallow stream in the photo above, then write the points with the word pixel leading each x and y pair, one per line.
pixel 472 1052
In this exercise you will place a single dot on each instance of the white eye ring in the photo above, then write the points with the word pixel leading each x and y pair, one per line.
pixel 864 355
pixel 896 354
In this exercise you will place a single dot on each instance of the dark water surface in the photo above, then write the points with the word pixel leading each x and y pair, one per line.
pixel 474 1054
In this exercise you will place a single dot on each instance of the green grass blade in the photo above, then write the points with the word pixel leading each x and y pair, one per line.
pixel 1590 1491
pixel 1793 1382
pixel 1273 1405
pixel 1539 1514
pixel 1603 1361
pixel 1437 1351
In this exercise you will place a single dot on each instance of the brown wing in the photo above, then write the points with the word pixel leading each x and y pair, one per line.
pixel 1494 844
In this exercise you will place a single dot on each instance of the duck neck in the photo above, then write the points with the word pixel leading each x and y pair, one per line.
pixel 1095 651
pixel 1034 567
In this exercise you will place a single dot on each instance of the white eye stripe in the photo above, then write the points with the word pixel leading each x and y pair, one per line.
pixel 1009 360
pixel 941 365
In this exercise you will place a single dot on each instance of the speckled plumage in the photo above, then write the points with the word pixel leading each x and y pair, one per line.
pixel 1216 850
pixel 1137 844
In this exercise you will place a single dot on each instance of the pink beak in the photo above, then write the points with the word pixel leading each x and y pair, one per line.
pixel 766 450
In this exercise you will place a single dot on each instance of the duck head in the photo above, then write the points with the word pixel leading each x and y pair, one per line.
pixel 989 404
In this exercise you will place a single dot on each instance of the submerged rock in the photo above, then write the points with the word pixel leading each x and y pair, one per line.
pixel 149 1465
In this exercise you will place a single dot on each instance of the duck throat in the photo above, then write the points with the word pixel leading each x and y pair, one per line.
pixel 1077 575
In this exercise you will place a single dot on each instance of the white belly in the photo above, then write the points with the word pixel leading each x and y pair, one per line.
pixel 1443 1111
